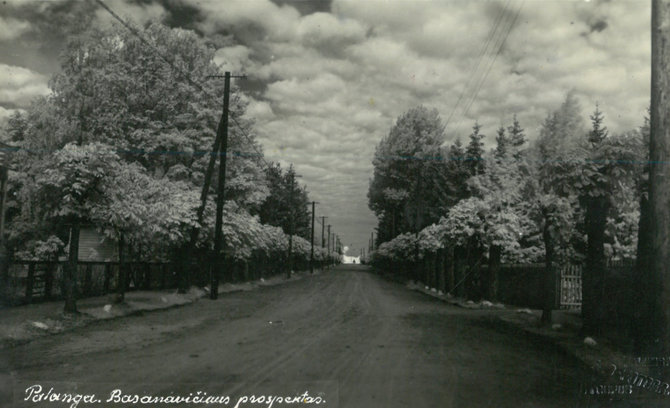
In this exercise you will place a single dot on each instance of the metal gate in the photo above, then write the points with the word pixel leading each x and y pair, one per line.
pixel 570 288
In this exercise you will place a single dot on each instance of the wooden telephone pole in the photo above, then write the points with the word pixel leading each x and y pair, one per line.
pixel 291 224
pixel 4 179
pixel 323 229
pixel 329 244
pixel 658 251
pixel 311 254
pixel 219 263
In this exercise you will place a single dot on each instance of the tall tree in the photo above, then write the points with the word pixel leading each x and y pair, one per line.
pixel 501 144
pixel 404 191
pixel 286 205
pixel 555 150
pixel 597 205
pixel 118 94
pixel 475 150
pixel 516 137
pixel 608 162
pixel 458 172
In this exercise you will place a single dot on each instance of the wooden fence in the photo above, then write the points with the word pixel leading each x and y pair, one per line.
pixel 518 284
pixel 31 281
pixel 34 281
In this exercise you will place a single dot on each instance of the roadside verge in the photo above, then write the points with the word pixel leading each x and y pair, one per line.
pixel 22 324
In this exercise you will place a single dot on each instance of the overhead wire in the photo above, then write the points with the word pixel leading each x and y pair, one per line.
pixel 480 58
pixel 181 73
pixel 497 46
pixel 500 47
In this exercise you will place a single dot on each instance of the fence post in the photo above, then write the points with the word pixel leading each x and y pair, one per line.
pixel 164 272
pixel 105 285
pixel 558 291
pixel 440 270
pixel 88 277
pixel 49 280
pixel 450 279
pixel 147 276
pixel 121 281
pixel 30 281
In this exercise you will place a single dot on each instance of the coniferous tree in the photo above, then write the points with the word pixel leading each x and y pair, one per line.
pixel 406 191
pixel 501 144
pixel 516 137
pixel 607 169
pixel 458 171
pixel 475 150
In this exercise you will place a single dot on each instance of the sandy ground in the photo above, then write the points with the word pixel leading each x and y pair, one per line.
pixel 360 340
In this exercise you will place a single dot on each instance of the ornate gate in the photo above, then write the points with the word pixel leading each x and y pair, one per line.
pixel 570 288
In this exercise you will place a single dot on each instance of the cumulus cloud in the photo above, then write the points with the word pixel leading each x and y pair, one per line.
pixel 249 18
pixel 338 80
pixel 18 85
pixel 233 59
pixel 138 12
pixel 329 83
pixel 11 28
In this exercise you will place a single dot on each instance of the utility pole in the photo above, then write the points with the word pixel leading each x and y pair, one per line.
pixel 219 264
pixel 658 252
pixel 4 179
pixel 329 244
pixel 291 224
pixel 219 244
pixel 311 253
pixel 323 227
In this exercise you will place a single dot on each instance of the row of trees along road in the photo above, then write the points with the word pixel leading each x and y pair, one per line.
pixel 123 141
pixel 571 196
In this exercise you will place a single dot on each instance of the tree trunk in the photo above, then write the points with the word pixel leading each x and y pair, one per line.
pixel 493 272
pixel 645 285
pixel 70 271
pixel 49 280
pixel 428 266
pixel 147 276
pixel 30 281
pixel 182 263
pixel 439 270
pixel 549 279
pixel 4 270
pixel 105 285
pixel 123 272
pixel 88 280
pixel 450 261
pixel 460 266
pixel 593 277
pixel 473 291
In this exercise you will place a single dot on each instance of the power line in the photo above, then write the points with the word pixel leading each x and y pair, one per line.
pixel 497 46
pixel 253 145
pixel 502 42
pixel 153 47
pixel 480 58
pixel 181 73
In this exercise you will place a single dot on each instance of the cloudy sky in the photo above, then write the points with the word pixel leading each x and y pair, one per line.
pixel 327 78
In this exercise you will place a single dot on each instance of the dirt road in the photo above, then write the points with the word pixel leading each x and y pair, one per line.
pixel 377 343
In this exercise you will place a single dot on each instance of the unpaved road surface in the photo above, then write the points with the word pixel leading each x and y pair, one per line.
pixel 381 344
